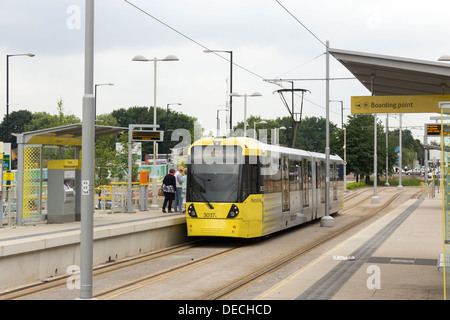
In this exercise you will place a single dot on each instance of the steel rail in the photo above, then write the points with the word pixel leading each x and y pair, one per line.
pixel 230 289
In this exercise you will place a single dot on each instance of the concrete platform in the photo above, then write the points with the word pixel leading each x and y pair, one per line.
pixel 395 257
pixel 39 251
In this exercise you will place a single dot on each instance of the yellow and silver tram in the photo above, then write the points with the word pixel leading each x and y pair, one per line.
pixel 241 187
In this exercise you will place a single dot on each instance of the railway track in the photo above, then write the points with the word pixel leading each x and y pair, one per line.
pixel 228 290
pixel 151 278
pixel 61 281
pixel 221 292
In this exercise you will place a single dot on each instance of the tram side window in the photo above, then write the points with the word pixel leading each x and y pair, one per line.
pixel 306 177
pixel 335 180
pixel 340 172
pixel 271 174
pixel 250 181
pixel 321 180
pixel 294 172
pixel 318 171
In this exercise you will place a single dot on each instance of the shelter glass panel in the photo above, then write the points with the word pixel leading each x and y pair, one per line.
pixel 32 184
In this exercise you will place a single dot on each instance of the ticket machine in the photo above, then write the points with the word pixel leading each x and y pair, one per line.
pixel 61 195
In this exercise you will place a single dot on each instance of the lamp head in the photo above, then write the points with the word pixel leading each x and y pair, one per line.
pixel 171 57
pixel 139 58
pixel 445 57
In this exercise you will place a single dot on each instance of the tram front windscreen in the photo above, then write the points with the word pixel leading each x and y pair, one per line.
pixel 214 174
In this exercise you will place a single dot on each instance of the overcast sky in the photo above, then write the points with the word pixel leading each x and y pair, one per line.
pixel 266 42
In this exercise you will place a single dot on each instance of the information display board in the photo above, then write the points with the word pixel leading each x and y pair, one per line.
pixel 436 128
pixel 147 135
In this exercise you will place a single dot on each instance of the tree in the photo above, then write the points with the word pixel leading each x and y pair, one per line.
pixel 167 121
pixel 23 121
pixel 43 120
pixel 17 121
pixel 312 135
pixel 119 163
pixel 412 149
pixel 62 119
pixel 311 131
pixel 39 120
pixel 270 126
pixel 105 153
pixel 360 145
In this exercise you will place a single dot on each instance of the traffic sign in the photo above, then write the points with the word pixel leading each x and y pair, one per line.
pixel 6 162
pixel 8 176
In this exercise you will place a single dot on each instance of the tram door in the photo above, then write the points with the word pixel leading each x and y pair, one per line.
pixel 306 168
pixel 285 183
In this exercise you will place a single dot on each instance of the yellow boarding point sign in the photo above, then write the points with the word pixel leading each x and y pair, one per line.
pixel 398 104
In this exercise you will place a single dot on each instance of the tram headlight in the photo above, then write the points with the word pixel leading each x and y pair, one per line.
pixel 234 211
pixel 191 211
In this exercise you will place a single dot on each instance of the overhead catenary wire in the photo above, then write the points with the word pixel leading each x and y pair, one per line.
pixel 190 39
pixel 219 55
pixel 301 65
pixel 296 19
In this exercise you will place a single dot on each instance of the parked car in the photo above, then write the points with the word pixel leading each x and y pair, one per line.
pixel 416 171
pixel 436 174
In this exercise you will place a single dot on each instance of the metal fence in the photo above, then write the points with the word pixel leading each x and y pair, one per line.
pixel 113 198
pixel 109 198
pixel 9 201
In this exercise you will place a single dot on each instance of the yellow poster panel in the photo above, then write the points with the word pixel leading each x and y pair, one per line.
pixel 398 104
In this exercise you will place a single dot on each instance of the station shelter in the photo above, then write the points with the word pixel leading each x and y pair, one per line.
pixel 402 85
pixel 397 85
pixel 63 175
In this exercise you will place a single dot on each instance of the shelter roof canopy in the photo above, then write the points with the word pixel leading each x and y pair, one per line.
pixel 69 135
pixel 394 75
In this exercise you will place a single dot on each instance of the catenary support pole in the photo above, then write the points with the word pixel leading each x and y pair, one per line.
pixel 387 150
pixel 400 165
pixel 327 220
pixel 87 170
pixel 375 198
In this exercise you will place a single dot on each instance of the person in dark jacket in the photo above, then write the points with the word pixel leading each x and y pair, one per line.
pixel 169 188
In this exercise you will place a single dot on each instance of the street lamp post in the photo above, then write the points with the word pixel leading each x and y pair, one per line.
pixel 154 188
pixel 95 94
pixel 345 138
pixel 245 95
pixel 276 137
pixel 218 121
pixel 231 82
pixel 7 87
pixel 254 127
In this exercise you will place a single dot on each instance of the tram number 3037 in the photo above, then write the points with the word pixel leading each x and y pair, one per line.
pixel 210 215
